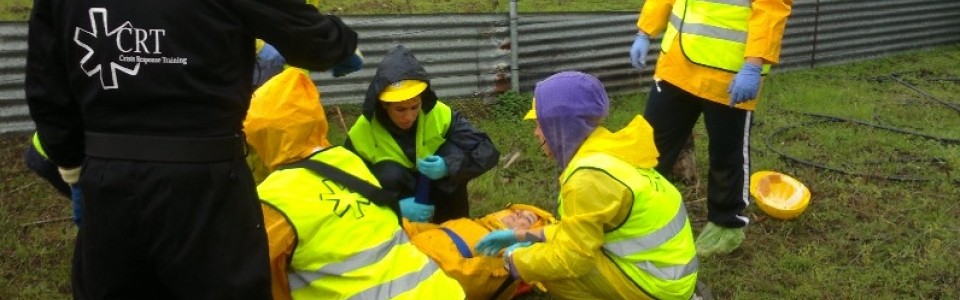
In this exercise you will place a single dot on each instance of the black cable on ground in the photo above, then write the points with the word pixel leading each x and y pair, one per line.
pixel 830 119
pixel 954 106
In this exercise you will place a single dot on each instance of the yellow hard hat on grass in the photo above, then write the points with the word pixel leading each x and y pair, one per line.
pixel 779 195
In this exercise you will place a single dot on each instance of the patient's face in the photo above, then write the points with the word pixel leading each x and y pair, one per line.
pixel 520 219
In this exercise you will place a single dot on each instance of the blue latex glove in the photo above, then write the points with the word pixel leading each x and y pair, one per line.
pixel 433 166
pixel 350 65
pixel 516 246
pixel 414 211
pixel 638 52
pixel 269 63
pixel 745 85
pixel 76 197
pixel 490 244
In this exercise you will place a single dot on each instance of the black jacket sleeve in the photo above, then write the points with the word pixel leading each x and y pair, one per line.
pixel 305 38
pixel 54 110
pixel 468 152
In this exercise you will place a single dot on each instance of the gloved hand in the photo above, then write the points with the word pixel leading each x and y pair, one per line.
pixel 718 240
pixel 414 211
pixel 490 244
pixel 350 65
pixel 638 52
pixel 433 166
pixel 269 64
pixel 76 198
pixel 516 246
pixel 70 176
pixel 745 85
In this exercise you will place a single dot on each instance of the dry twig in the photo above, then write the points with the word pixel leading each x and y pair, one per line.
pixel 41 222
pixel 343 124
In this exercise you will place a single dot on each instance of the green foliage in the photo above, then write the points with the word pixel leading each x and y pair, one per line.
pixel 511 105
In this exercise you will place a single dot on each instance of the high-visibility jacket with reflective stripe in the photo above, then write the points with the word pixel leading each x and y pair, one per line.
pixel 372 141
pixel 654 246
pixel 713 33
pixel 348 247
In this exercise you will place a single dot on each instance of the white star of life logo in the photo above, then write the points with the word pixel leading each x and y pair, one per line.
pixel 98 25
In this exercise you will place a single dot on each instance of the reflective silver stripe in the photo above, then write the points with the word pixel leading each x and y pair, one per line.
pixel 745 193
pixel 651 240
pixel 673 272
pixel 675 21
pixel 370 256
pixel 707 30
pixel 395 287
pixel 744 3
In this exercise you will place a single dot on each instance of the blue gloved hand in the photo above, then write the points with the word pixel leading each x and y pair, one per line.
pixel 516 246
pixel 490 244
pixel 638 52
pixel 414 211
pixel 269 64
pixel 433 166
pixel 746 84
pixel 76 197
pixel 350 65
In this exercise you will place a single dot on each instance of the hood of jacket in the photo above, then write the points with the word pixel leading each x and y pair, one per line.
pixel 286 121
pixel 569 106
pixel 398 64
pixel 632 144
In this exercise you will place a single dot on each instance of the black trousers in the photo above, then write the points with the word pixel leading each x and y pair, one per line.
pixel 673 112
pixel 170 231
pixel 449 199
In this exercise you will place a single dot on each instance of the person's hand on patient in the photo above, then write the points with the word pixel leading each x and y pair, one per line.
pixel 493 242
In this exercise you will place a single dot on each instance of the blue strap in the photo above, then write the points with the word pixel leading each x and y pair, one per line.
pixel 461 245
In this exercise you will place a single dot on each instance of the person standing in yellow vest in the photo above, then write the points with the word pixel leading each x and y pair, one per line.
pixel 623 230
pixel 713 57
pixel 328 240
pixel 407 136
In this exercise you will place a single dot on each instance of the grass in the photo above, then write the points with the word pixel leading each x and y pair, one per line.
pixel 15 10
pixel 861 236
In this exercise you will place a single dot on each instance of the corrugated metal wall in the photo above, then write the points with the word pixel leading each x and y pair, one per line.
pixel 469 55
pixel 13 52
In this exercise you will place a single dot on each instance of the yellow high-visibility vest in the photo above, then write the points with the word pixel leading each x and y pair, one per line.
pixel 712 33
pixel 347 246
pixel 654 246
pixel 372 141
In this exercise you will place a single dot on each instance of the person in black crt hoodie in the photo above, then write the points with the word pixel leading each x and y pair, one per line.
pixel 141 104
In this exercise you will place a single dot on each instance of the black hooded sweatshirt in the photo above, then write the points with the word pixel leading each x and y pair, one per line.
pixel 175 68
pixel 467 151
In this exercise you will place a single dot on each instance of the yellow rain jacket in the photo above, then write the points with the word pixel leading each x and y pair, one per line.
pixel 316 227
pixel 451 244
pixel 764 33
pixel 573 262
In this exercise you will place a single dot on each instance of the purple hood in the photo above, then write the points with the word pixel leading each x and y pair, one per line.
pixel 569 106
